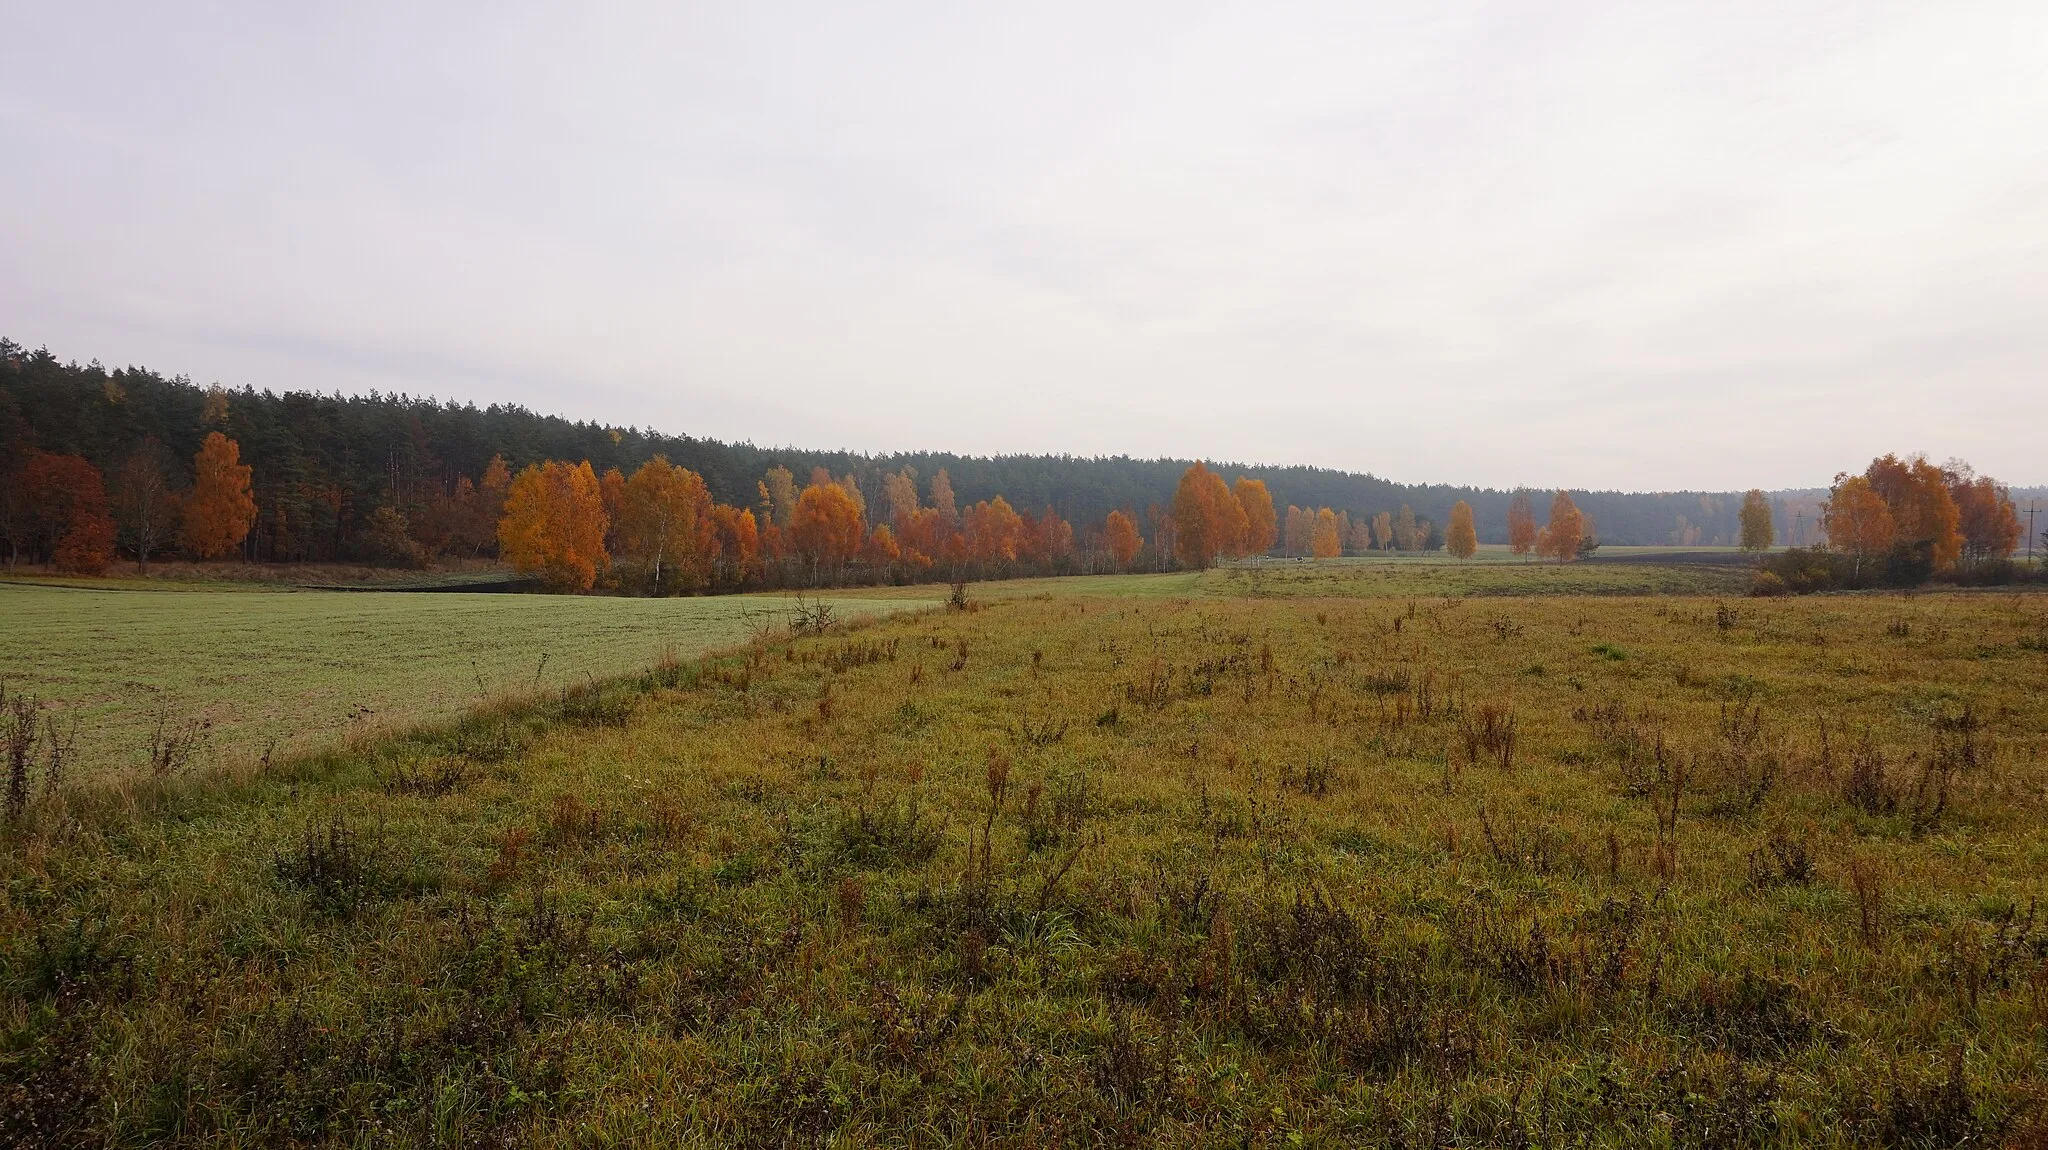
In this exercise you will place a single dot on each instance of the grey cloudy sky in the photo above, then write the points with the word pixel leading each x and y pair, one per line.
pixel 1634 245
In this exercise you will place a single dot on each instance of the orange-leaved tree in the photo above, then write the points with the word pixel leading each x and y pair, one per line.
pixel 1207 520
pixel 1858 523
pixel 1560 538
pixel 555 525
pixel 1461 538
pixel 1521 524
pixel 826 529
pixel 881 549
pixel 1120 536
pixel 219 509
pixel 1048 539
pixel 1924 514
pixel 664 527
pixel 994 531
pixel 1757 532
pixel 1327 540
pixel 739 539
pixel 1990 523
pixel 1260 522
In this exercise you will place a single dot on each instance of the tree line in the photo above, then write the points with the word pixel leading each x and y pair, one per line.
pixel 329 472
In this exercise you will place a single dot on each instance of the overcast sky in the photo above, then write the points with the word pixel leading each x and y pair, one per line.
pixel 1631 245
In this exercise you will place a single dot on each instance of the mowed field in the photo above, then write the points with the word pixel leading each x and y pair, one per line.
pixel 1143 868
pixel 305 668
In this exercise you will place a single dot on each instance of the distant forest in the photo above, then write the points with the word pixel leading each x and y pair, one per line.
pixel 323 464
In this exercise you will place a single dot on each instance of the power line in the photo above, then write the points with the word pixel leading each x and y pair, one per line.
pixel 2035 506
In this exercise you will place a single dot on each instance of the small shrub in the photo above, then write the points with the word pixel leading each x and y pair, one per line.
pixel 885 836
pixel 1489 735
pixel 431 778
pixel 1804 570
pixel 1781 861
pixel 19 730
pixel 173 743
pixel 337 869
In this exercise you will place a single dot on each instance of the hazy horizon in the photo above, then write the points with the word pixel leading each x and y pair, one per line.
pixel 1590 245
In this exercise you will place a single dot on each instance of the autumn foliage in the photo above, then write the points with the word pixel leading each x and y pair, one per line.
pixel 1757 532
pixel 1521 524
pixel 555 524
pixel 1261 527
pixel 1461 538
pixel 1858 523
pixel 1561 538
pixel 1920 518
pixel 826 526
pixel 219 511
pixel 1120 536
pixel 1209 522
pixel 66 505
pixel 662 521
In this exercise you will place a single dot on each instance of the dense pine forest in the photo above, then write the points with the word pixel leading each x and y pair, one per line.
pixel 322 466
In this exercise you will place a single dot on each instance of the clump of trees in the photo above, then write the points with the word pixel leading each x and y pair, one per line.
pixel 55 509
pixel 1899 523
pixel 660 532
pixel 1566 538
pixel 1324 532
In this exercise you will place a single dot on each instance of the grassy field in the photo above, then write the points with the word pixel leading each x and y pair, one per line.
pixel 302 668
pixel 1145 869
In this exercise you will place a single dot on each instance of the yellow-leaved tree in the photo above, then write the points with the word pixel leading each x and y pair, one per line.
pixel 664 529
pixel 1757 532
pixel 1560 538
pixel 1461 538
pixel 1261 524
pixel 1328 540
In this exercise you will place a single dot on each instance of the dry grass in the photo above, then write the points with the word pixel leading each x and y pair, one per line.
pixel 1212 871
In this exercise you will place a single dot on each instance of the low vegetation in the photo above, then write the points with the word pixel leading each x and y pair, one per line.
pixel 1225 870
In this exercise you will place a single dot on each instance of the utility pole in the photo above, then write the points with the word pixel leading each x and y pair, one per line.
pixel 2033 507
